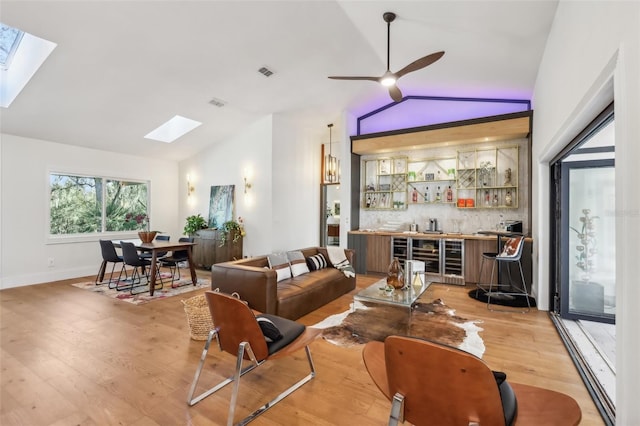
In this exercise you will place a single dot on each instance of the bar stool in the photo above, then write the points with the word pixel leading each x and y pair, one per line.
pixel 511 253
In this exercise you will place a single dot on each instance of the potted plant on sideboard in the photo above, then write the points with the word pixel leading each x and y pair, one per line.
pixel 194 224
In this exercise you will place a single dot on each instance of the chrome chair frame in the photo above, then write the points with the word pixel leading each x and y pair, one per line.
pixel 245 350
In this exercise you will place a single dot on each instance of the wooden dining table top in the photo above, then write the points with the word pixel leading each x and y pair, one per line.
pixel 158 245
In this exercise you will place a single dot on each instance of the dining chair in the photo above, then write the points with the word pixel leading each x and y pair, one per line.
pixel 110 255
pixel 141 267
pixel 254 338
pixel 430 383
pixel 160 254
pixel 174 260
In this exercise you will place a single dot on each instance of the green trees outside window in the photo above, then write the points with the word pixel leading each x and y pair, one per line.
pixel 90 204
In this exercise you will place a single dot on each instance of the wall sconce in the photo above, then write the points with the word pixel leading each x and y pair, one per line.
pixel 190 187
pixel 247 185
pixel 331 163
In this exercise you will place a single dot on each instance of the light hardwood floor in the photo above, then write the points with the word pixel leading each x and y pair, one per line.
pixel 72 357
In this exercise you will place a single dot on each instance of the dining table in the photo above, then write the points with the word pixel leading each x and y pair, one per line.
pixel 156 247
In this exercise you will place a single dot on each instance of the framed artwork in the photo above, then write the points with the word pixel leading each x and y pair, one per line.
pixel 221 205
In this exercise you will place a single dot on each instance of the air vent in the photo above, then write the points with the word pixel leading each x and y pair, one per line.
pixel 217 102
pixel 265 71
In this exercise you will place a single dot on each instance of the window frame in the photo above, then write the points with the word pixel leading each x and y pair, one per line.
pixel 90 236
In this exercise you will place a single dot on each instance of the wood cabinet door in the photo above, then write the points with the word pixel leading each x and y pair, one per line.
pixel 378 253
pixel 473 259
pixel 208 250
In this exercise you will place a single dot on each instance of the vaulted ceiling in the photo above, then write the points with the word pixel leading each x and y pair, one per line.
pixel 122 68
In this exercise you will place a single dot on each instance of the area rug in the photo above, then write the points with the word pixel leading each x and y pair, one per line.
pixel 429 320
pixel 515 301
pixel 143 296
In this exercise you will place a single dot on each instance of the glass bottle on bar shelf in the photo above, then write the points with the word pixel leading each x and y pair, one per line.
pixel 495 199
pixel 507 199
pixel 438 195
pixel 487 198
pixel 426 194
pixel 414 195
pixel 449 195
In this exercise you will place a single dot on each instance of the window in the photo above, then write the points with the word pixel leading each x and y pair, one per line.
pixel 92 204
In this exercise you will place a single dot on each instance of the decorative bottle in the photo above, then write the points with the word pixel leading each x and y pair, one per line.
pixel 438 195
pixel 414 195
pixel 395 276
pixel 426 194
pixel 487 198
pixel 507 199
pixel 449 195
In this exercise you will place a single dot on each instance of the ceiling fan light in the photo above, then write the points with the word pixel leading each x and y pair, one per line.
pixel 388 79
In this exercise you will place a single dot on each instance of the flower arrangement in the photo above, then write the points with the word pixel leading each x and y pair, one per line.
pixel 587 248
pixel 229 226
pixel 142 223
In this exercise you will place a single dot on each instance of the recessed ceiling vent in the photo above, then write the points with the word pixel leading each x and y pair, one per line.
pixel 217 102
pixel 265 71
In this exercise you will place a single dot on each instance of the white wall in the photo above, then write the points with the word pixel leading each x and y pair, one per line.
pixel 296 182
pixel 25 165
pixel 281 210
pixel 592 53
pixel 226 163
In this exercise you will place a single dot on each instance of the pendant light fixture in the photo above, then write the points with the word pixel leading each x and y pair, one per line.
pixel 331 163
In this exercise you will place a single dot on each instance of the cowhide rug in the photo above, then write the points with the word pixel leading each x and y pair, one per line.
pixel 429 320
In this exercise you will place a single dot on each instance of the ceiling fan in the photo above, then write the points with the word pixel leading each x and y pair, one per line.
pixel 389 78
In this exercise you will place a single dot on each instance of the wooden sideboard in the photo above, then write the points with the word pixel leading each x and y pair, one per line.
pixel 208 250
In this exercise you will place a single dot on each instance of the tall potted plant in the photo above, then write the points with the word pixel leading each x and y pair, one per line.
pixel 587 295
pixel 194 224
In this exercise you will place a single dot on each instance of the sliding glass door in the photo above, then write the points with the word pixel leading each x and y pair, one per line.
pixel 588 247
pixel 584 215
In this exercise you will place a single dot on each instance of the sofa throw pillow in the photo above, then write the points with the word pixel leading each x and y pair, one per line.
pixel 317 261
pixel 511 247
pixel 269 329
pixel 297 262
pixel 279 263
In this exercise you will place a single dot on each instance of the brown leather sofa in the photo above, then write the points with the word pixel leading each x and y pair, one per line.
pixel 290 298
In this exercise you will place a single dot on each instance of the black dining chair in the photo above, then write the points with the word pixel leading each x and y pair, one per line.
pixel 174 260
pixel 109 255
pixel 149 255
pixel 140 267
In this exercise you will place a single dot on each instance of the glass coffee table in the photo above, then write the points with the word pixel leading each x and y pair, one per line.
pixel 403 298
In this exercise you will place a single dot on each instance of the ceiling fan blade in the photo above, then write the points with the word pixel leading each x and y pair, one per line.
pixel 420 63
pixel 355 78
pixel 395 93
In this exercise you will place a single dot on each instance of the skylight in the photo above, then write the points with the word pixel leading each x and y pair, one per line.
pixel 173 129
pixel 9 41
pixel 21 55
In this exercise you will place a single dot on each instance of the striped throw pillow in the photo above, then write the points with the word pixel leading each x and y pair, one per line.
pixel 317 261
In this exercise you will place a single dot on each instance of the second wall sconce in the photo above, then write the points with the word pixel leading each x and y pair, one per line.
pixel 247 185
pixel 190 187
